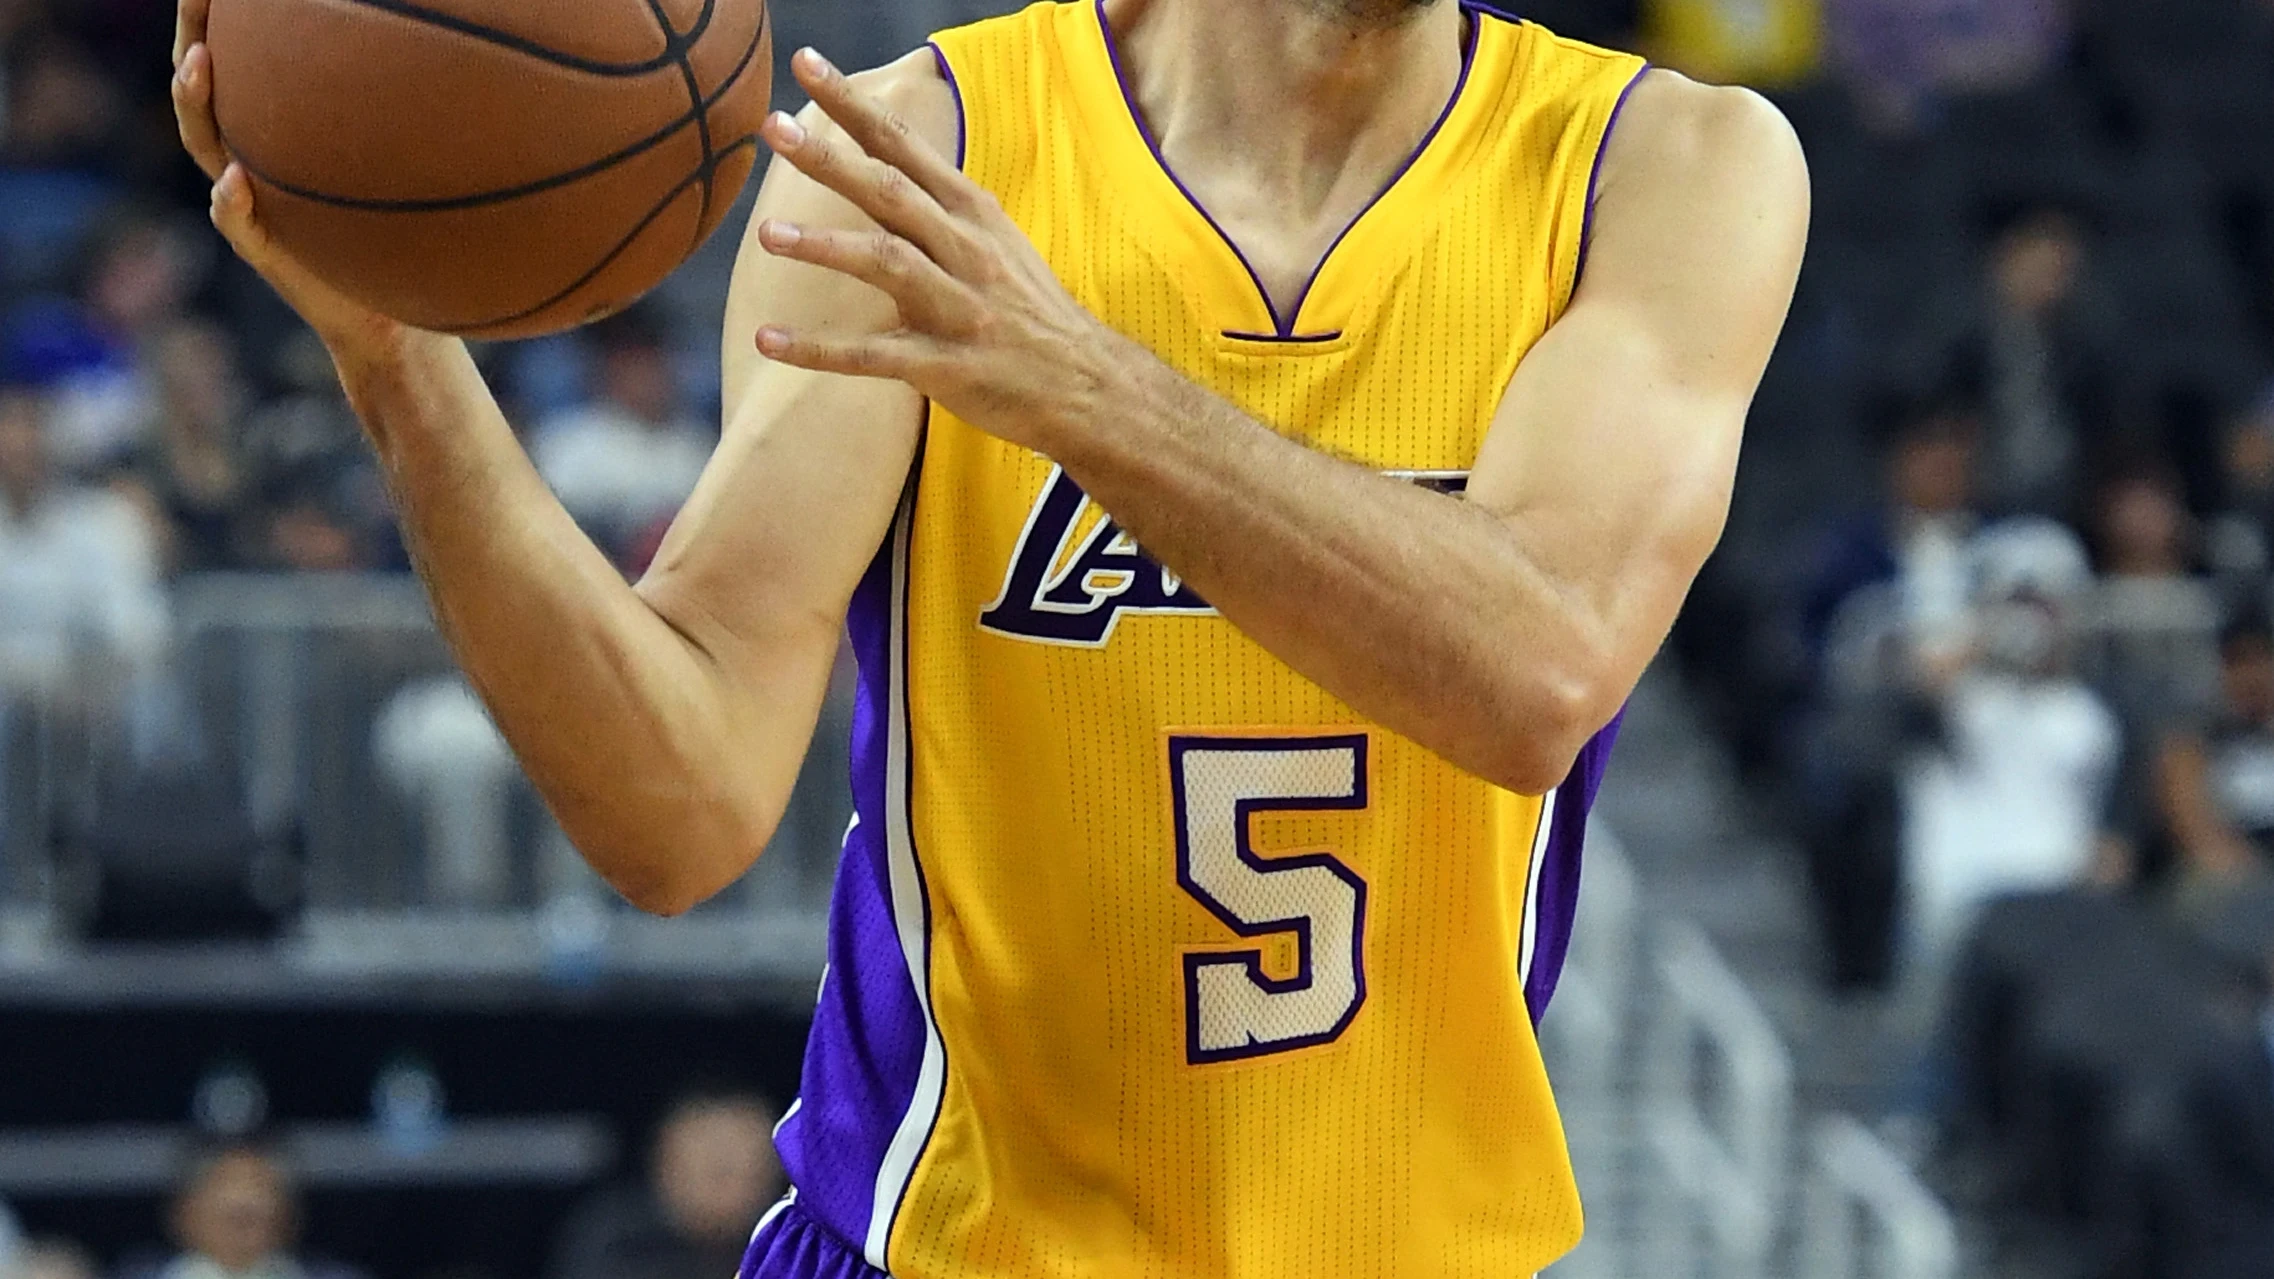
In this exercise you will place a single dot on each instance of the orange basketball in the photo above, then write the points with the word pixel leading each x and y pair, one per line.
pixel 494 168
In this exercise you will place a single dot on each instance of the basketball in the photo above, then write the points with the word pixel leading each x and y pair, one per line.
pixel 492 168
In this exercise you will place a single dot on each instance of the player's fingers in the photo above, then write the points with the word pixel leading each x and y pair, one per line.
pixel 189 26
pixel 233 215
pixel 882 133
pixel 886 194
pixel 899 356
pixel 193 111
pixel 336 318
pixel 927 295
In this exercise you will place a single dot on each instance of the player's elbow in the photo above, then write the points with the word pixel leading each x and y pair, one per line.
pixel 1536 764
pixel 669 892
pixel 1562 710
pixel 668 871
pixel 666 896
pixel 661 898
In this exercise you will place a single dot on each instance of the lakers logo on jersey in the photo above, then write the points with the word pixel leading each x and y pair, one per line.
pixel 1061 589
pixel 1073 578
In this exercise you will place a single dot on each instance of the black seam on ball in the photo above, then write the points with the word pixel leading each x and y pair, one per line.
pixel 707 170
pixel 530 48
pixel 750 141
pixel 447 204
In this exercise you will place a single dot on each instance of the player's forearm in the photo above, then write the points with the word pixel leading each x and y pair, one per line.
pixel 622 721
pixel 1424 613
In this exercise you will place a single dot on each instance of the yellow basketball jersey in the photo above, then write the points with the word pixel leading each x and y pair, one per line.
pixel 1150 958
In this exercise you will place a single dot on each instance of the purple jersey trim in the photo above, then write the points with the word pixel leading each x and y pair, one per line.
pixel 1595 175
pixel 962 115
pixel 792 1244
pixel 1558 898
pixel 1307 339
pixel 867 1042
pixel 1469 40
pixel 1283 325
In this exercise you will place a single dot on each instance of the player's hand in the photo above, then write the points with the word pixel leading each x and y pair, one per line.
pixel 985 329
pixel 351 330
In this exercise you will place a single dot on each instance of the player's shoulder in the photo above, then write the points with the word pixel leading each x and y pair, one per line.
pixel 1704 184
pixel 916 89
pixel 1675 132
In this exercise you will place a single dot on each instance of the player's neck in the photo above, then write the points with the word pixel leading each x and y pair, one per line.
pixel 1298 98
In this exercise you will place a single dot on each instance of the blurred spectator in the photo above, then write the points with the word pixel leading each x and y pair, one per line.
pixel 63 109
pixel 190 467
pixel 435 745
pixel 11 1239
pixel 2037 355
pixel 306 448
pixel 2224 1172
pixel 1900 54
pixel 2141 523
pixel 78 567
pixel 2010 797
pixel 2215 782
pixel 2218 776
pixel 236 1217
pixel 97 351
pixel 83 614
pixel 306 535
pixel 1915 542
pixel 631 457
pixel 1884 591
pixel 438 750
pixel 2239 544
pixel 61 115
pixel 2153 650
pixel 2078 1020
pixel 1764 43
pixel 711 1175
pixel 50 1259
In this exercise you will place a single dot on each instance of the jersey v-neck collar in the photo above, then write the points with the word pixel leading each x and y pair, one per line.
pixel 1212 252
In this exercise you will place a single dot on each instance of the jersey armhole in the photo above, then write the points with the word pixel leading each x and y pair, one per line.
pixel 1595 182
pixel 962 114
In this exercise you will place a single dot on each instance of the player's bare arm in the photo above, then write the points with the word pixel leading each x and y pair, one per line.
pixel 1501 631
pixel 664 723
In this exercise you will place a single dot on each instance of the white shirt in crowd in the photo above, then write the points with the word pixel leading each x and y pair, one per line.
pixel 79 572
pixel 2013 804
pixel 613 470
pixel 1934 580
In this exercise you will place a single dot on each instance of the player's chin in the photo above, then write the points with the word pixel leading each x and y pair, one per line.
pixel 1376 12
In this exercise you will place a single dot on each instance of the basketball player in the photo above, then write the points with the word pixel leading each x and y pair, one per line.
pixel 1258 445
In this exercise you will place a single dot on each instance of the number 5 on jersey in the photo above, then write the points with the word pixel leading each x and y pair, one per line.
pixel 1233 1008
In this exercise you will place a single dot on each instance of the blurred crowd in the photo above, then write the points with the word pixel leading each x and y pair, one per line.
pixel 161 415
pixel 164 419
pixel 237 1211
pixel 2033 769
pixel 1991 632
